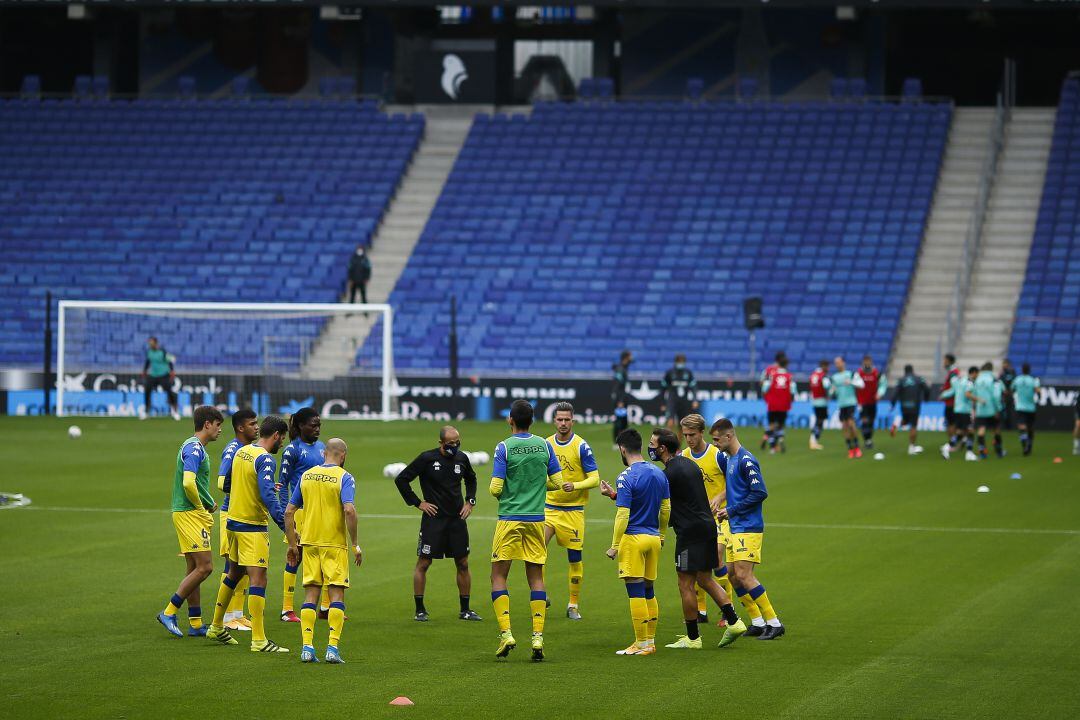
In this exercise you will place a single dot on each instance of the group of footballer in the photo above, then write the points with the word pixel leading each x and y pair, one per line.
pixel 975 404
pixel 709 494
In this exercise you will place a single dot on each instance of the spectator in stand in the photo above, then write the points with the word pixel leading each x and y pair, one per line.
pixel 359 274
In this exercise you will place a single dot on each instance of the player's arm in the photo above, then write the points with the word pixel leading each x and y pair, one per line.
pixel 665 517
pixel 588 464
pixel 264 473
pixel 403 480
pixel 882 386
pixel 498 470
pixel 470 480
pixel 554 470
pixel 623 498
pixel 348 504
pixel 224 478
pixel 1036 392
pixel 294 503
pixel 765 385
pixel 285 475
pixel 856 380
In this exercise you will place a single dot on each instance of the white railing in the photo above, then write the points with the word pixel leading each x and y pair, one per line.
pixel 954 317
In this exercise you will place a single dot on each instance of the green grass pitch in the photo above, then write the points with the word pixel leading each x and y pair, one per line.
pixel 905 594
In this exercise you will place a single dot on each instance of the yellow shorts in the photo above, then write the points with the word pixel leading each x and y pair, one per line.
pixel 723 533
pixel 639 556
pixel 517 540
pixel 569 527
pixel 299 517
pixel 193 530
pixel 223 535
pixel 746 547
pixel 326 566
pixel 249 549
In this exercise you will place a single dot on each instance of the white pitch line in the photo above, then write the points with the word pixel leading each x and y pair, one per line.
pixel 602 521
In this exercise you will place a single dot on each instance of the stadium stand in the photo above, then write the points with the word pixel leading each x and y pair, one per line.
pixel 230 200
pixel 590 227
pixel 1047 328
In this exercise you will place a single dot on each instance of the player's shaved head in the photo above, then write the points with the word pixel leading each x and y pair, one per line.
pixel 448 433
pixel 336 449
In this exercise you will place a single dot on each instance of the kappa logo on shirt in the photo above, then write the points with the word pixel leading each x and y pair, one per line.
pixel 435 465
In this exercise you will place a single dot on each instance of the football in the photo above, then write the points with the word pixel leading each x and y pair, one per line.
pixel 74 432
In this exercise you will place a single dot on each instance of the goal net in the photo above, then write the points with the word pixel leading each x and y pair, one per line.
pixel 272 357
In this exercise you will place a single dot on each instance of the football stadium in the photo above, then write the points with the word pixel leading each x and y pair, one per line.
pixel 633 358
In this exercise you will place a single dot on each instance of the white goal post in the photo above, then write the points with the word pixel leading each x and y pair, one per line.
pixel 95 321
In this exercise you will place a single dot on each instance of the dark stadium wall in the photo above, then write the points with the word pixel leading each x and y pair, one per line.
pixel 433 398
pixel 42 41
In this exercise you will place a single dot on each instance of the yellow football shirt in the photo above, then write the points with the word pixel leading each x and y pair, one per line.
pixel 252 466
pixel 322 492
pixel 579 467
pixel 709 462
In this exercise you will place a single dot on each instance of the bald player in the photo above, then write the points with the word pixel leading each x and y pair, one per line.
pixel 443 512
pixel 327 494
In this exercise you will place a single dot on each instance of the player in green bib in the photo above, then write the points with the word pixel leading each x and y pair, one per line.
pixel 1026 390
pixel 524 469
pixel 192 514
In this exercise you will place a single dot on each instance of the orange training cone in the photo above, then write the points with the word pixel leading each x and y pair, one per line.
pixel 402 700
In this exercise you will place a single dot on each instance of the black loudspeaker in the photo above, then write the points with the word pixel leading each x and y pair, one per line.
pixel 752 316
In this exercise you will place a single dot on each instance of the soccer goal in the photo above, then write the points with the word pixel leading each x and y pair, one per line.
pixel 273 357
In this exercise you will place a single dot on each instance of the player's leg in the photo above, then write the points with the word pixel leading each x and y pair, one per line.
pixel 500 600
pixel 639 613
pixel 228 584
pixel 734 626
pixel 534 573
pixel 257 607
pixel 687 595
pixel 749 546
pixel 288 585
pixel 999 449
pixel 570 534
pixel 308 615
pixel 423 562
pixel 172 399
pixel 336 620
pixel 1076 435
pixel 820 414
pixel 464 585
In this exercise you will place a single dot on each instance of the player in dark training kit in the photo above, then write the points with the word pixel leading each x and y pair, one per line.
pixel 678 392
pixel 910 392
pixel 443 530
pixel 696 552
pixel 873 389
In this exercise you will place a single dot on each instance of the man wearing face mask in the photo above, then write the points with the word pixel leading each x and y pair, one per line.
pixel 443 530
pixel 679 390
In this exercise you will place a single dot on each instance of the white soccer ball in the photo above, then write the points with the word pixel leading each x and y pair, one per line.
pixel 74 432
pixel 983 489
pixel 879 456
pixel 482 458
pixel 393 469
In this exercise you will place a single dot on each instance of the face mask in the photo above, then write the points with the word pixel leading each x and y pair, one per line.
pixel 451 449
pixel 654 454
pixel 680 366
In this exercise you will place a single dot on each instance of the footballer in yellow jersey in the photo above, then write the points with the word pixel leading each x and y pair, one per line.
pixel 326 493
pixel 564 509
pixel 253 503
pixel 246 426
pixel 710 460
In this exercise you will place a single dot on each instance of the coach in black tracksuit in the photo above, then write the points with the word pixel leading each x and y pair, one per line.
pixel 443 532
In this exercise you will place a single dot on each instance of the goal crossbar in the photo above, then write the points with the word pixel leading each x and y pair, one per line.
pixel 383 309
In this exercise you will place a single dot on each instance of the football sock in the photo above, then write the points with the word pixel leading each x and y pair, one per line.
pixel 194 617
pixel 692 629
pixel 779 436
pixel 307 623
pixel 702 607
pixel 336 618
pixel 953 439
pixel 463 602
pixel 654 612
pixel 324 598
pixel 750 606
pixel 289 583
pixel 577 570
pixel 1024 439
pixel 236 605
pixel 817 431
pixel 538 606
pixel 224 596
pixel 639 611
pixel 501 600
pixel 730 616
pixel 418 600
pixel 982 444
pixel 761 599
pixel 174 605
pixel 256 606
